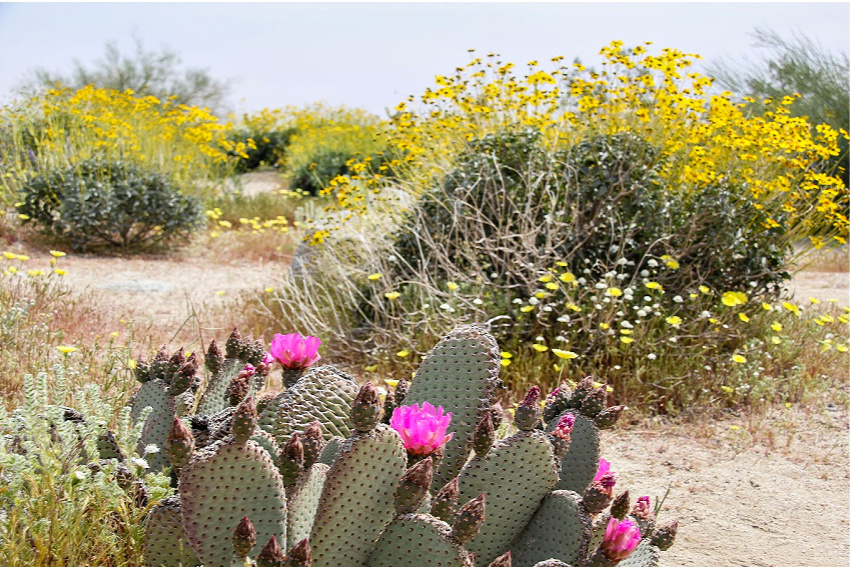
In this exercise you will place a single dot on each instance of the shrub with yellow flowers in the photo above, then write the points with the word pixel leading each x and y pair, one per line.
pixel 631 189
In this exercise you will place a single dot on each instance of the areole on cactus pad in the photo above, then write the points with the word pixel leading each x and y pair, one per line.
pixel 411 494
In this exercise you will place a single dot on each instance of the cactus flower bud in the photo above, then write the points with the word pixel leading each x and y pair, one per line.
pixel 179 444
pixel 237 389
pixel 557 401
pixel 300 555
pixel 413 487
pixel 313 443
pixel 583 388
pixel 664 536
pixel 598 495
pixel 233 346
pixel 244 538
pixel 621 538
pixel 142 370
pixel 497 412
pixel 595 401
pixel 644 515
pixel 561 434
pixel 423 430
pixel 291 460
pixel 214 358
pixel 484 435
pixel 528 411
pixel 469 520
pixel 445 502
pixel 367 410
pixel 620 506
pixel 244 420
pixel 608 417
pixel 401 390
pixel 502 560
pixel 248 371
pixel 271 555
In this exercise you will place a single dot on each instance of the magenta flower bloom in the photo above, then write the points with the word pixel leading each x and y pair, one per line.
pixel 422 431
pixel 604 467
pixel 295 351
pixel 621 538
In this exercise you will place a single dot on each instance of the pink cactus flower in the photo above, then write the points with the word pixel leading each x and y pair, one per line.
pixel 268 359
pixel 422 431
pixel 564 426
pixel 295 351
pixel 621 538
pixel 604 467
pixel 642 507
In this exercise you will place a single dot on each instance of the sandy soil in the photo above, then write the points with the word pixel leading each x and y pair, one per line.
pixel 763 495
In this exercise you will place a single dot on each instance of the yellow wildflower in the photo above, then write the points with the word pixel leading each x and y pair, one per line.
pixel 565 354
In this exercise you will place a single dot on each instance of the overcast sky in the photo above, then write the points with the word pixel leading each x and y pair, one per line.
pixel 374 55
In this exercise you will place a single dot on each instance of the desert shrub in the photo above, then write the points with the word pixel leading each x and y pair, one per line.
pixel 264 149
pixel 57 128
pixel 108 202
pixel 559 207
pixel 60 505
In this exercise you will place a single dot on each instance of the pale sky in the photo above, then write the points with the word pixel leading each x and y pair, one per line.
pixel 373 55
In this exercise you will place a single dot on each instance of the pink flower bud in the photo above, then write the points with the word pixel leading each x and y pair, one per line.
pixel 565 426
pixel 642 507
pixel 621 538
pixel 295 351
pixel 422 431
pixel 248 371
pixel 532 396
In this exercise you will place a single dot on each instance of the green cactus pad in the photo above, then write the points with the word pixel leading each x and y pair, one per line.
pixel 560 528
pixel 165 544
pixel 599 526
pixel 417 540
pixel 579 465
pixel 222 484
pixel 516 474
pixel 267 420
pixel 357 500
pixel 644 555
pixel 184 403
pixel 323 394
pixel 212 400
pixel 158 424
pixel 268 443
pixel 303 502
pixel 331 450
pixel 460 374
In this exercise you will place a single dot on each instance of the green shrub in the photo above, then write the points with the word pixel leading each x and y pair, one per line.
pixel 262 148
pixel 108 202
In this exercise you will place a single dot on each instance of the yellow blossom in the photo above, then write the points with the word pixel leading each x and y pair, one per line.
pixel 653 285
pixel 526 308
pixel 452 286
pixel 738 358
pixel 614 292
pixel 776 326
pixel 56 253
pixel 767 306
pixel 540 348
pixel 402 353
pixel 66 349
pixel 733 298
pixel 674 320
pixel 392 295
pixel 743 317
pixel 565 354
pixel 567 277
pixel 374 277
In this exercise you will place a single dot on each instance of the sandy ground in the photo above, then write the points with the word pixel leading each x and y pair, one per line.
pixel 743 497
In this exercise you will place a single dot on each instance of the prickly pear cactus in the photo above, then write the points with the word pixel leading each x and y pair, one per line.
pixel 417 540
pixel 323 394
pixel 516 474
pixel 331 450
pixel 213 400
pixel 559 529
pixel 357 499
pixel 155 394
pixel 165 544
pixel 644 555
pixel 303 501
pixel 223 483
pixel 460 374
pixel 579 465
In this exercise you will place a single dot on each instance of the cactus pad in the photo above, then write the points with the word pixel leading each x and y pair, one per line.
pixel 416 540
pixel 460 374
pixel 165 544
pixel 268 443
pixel 222 484
pixel 516 474
pixel 560 528
pixel 579 465
pixel 158 424
pixel 331 450
pixel 357 500
pixel 303 502
pixel 644 555
pixel 212 400
pixel 323 394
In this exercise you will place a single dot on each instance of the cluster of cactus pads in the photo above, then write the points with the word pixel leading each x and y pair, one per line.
pixel 316 476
